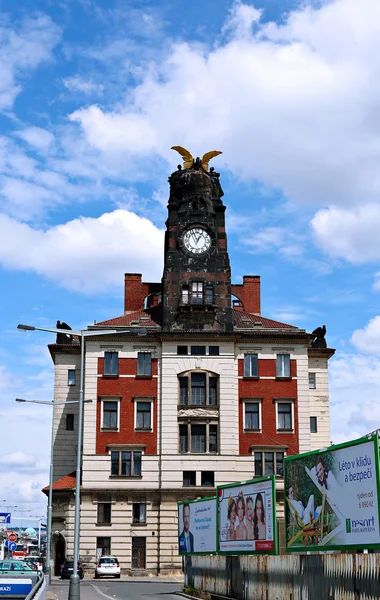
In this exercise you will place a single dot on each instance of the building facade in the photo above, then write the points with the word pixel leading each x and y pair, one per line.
pixel 213 393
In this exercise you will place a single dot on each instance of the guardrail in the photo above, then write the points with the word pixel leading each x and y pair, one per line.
pixel 39 590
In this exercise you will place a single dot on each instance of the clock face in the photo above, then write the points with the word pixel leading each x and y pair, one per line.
pixel 196 240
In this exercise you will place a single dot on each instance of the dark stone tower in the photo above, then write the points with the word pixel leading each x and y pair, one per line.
pixel 197 274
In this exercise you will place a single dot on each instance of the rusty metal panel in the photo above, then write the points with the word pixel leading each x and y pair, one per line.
pixel 289 577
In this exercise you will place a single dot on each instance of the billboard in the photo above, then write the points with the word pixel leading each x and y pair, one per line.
pixel 331 497
pixel 197 521
pixel 247 517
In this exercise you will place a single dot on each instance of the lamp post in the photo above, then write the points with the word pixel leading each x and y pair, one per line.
pixel 50 500
pixel 74 589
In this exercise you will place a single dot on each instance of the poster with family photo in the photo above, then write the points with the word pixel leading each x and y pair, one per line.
pixel 247 517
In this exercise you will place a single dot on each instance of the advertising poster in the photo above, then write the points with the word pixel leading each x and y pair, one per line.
pixel 247 517
pixel 331 497
pixel 197 526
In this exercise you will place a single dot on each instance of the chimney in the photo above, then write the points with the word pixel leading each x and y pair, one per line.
pixel 248 293
pixel 134 292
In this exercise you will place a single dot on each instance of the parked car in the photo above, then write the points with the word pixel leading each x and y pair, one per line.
pixel 35 562
pixel 107 565
pixel 67 569
pixel 17 566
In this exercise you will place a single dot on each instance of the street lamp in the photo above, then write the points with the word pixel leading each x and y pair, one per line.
pixel 74 589
pixel 50 500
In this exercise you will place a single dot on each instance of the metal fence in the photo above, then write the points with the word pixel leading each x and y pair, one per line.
pixel 290 577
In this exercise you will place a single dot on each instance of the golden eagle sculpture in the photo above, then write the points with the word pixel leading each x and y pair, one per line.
pixel 188 158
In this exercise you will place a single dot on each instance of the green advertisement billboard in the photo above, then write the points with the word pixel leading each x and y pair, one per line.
pixel 331 498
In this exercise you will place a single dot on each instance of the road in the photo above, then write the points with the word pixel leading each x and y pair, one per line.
pixel 121 589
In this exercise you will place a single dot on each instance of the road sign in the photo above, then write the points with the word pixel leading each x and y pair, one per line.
pixel 6 543
pixel 12 536
pixel 12 546
pixel 5 517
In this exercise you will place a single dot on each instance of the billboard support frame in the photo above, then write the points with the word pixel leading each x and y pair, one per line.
pixel 320 548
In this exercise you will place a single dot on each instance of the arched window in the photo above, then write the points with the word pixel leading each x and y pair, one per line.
pixel 198 388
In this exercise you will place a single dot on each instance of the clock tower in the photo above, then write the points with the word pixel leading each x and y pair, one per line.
pixel 197 275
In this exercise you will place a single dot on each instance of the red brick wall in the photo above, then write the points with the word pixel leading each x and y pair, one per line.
pixel 127 388
pixel 248 293
pixel 268 389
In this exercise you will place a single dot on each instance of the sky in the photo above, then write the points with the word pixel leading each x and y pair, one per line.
pixel 93 94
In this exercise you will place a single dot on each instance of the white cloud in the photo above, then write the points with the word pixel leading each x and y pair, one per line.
pixel 77 84
pixel 349 234
pixel 86 254
pixel 367 340
pixel 37 137
pixel 294 106
pixel 354 395
pixel 23 48
pixel 376 283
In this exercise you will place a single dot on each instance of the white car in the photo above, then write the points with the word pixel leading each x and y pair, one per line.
pixel 107 565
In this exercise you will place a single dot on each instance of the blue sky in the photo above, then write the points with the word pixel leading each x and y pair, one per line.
pixel 92 96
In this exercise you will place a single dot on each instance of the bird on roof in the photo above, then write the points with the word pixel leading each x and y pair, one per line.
pixel 188 158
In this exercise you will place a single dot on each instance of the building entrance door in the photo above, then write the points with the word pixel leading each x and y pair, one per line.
pixel 60 551
pixel 138 552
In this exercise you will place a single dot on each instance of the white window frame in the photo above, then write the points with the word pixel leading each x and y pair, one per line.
pixel 285 401
pixel 258 401
pixel 257 359
pixel 311 386
pixel 109 399
pixel 143 351
pixel 290 365
pixel 68 377
pixel 146 399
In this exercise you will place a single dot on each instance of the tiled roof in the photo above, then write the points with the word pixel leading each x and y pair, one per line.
pixel 150 317
pixel 67 482
pixel 244 320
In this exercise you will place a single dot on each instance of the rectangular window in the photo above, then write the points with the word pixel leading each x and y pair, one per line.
pixel 189 478
pixel 182 350
pixel 207 478
pixel 213 439
pixel 313 424
pixel 284 416
pixel 198 350
pixel 269 463
pixel 139 513
pixel 143 415
pixel 110 415
pixel 252 415
pixel 197 292
pixel 70 422
pixel 283 365
pixel 103 546
pixel 111 363
pixel 212 391
pixel 104 513
pixel 185 294
pixel 198 438
pixel 213 350
pixel 251 368
pixel 209 294
pixel 183 391
pixel 183 439
pixel 126 463
pixel 144 363
pixel 71 377
pixel 198 389
pixel 312 381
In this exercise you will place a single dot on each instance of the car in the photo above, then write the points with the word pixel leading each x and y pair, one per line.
pixel 107 565
pixel 67 569
pixel 35 562
pixel 17 566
